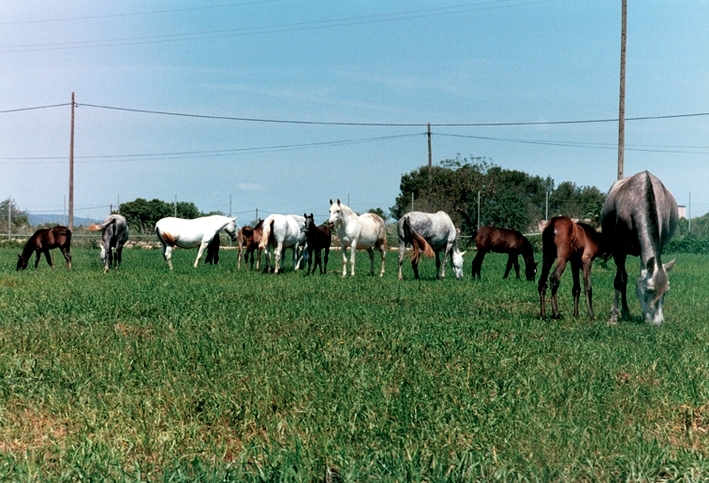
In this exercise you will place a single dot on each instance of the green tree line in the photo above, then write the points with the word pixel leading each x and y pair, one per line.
pixel 508 198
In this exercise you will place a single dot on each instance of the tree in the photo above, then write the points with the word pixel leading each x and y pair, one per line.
pixel 142 215
pixel 9 212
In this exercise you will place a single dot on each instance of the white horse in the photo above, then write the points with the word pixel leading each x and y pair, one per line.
pixel 359 232
pixel 430 233
pixel 281 232
pixel 115 234
pixel 199 232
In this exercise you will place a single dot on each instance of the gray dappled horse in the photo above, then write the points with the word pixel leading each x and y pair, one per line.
pixel 430 233
pixel 115 235
pixel 638 218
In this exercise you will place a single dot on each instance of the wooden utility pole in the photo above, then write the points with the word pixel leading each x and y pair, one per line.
pixel 71 168
pixel 621 110
pixel 430 163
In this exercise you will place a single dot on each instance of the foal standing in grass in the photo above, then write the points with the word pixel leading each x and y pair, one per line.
pixel 566 241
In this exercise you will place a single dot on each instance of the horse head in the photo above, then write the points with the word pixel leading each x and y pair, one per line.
pixel 21 263
pixel 335 212
pixel 104 254
pixel 651 287
pixel 231 229
pixel 530 270
pixel 457 262
pixel 309 224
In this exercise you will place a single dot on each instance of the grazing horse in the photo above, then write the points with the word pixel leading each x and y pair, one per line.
pixel 248 239
pixel 358 232
pixel 115 235
pixel 281 232
pixel 566 241
pixel 430 233
pixel 639 217
pixel 199 232
pixel 44 240
pixel 318 238
pixel 501 240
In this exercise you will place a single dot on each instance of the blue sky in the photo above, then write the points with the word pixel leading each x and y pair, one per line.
pixel 384 62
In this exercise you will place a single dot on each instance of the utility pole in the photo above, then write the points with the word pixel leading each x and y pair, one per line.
pixel 621 109
pixel 176 206
pixel 430 156
pixel 71 167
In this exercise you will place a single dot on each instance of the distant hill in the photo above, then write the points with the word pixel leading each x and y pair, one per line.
pixel 59 220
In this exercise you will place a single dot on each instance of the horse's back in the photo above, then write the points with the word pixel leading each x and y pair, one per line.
pixel 632 201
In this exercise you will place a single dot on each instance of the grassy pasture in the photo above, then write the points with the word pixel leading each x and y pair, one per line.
pixel 216 374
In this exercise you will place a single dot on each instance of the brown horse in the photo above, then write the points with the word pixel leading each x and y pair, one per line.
pixel 249 239
pixel 318 238
pixel 566 241
pixel 44 240
pixel 501 240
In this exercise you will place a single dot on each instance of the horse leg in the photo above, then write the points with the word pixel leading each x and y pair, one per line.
pixel 370 251
pixel 587 264
pixel 167 254
pixel 543 285
pixel 402 250
pixel 202 247
pixel 478 263
pixel 119 256
pixel 555 282
pixel 620 283
pixel 511 259
pixel 440 268
pixel 47 255
pixel 383 251
pixel 277 253
pixel 576 289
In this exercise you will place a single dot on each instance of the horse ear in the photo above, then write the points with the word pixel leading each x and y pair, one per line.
pixel 338 201
pixel 311 216
pixel 305 215
pixel 668 266
pixel 330 200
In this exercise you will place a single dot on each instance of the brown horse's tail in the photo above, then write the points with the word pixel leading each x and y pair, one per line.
pixel 418 243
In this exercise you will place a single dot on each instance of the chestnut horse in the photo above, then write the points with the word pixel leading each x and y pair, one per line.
pixel 566 241
pixel 639 217
pixel 44 240
pixel 318 238
pixel 249 238
pixel 501 240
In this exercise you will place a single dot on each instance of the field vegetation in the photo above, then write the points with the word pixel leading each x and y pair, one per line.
pixel 216 374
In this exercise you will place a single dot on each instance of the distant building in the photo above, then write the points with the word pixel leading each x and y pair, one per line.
pixel 682 211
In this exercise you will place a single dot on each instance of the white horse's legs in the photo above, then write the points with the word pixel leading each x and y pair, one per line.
pixel 167 253
pixel 370 250
pixel 402 250
pixel 277 256
pixel 200 251
pixel 383 250
pixel 353 256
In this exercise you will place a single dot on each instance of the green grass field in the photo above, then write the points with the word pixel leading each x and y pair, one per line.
pixel 216 374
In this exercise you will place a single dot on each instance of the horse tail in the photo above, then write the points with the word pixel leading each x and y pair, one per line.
pixel 418 243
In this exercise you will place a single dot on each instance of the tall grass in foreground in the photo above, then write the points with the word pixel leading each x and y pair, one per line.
pixel 216 374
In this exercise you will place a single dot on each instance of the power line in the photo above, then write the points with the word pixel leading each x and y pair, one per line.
pixel 24 109
pixel 203 154
pixel 134 14
pixel 385 124
pixel 279 28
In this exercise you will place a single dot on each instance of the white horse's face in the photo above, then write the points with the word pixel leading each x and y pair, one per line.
pixel 230 228
pixel 335 212
pixel 103 255
pixel 651 287
pixel 457 261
